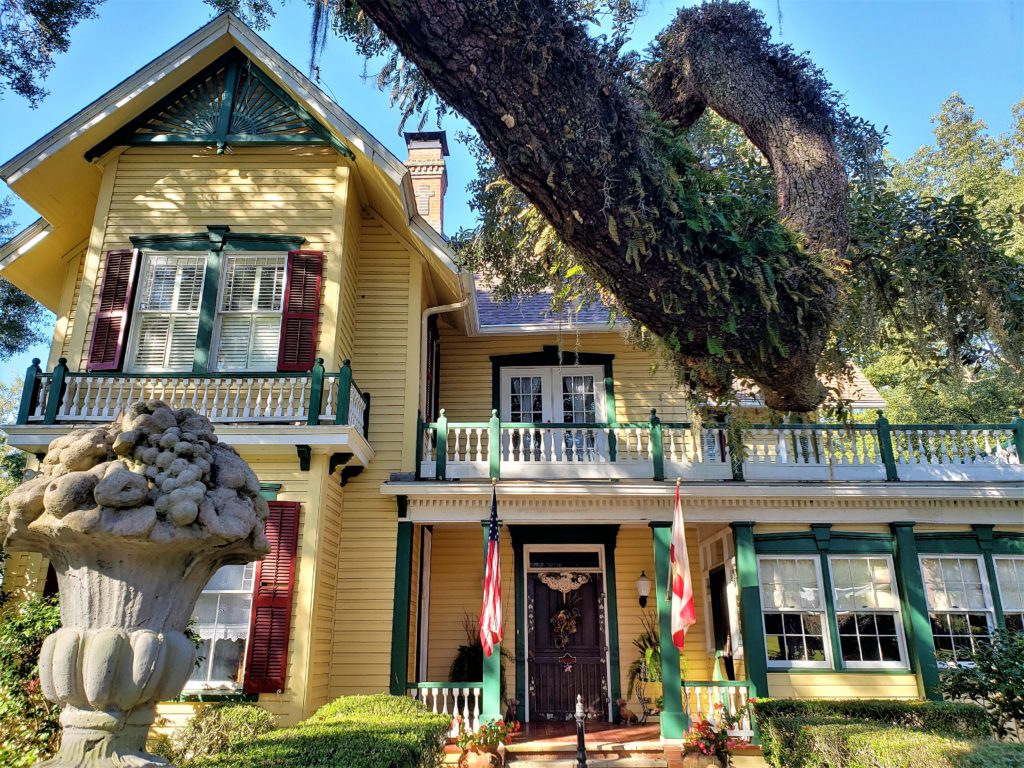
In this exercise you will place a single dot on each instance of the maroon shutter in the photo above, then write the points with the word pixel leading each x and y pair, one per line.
pixel 267 661
pixel 301 311
pixel 110 329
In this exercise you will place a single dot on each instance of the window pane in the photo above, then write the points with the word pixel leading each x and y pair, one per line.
pixel 227 660
pixel 1010 573
pixel 253 283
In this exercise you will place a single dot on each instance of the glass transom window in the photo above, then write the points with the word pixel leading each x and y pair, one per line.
pixel 793 611
pixel 221 619
pixel 168 305
pixel 249 315
pixel 867 612
pixel 959 605
pixel 1010 573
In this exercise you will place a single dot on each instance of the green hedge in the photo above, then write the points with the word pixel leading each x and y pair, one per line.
pixel 378 731
pixel 879 733
pixel 958 720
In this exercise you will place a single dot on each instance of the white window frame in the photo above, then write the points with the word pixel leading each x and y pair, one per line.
pixel 233 685
pixel 827 664
pixel 218 322
pixel 138 313
pixel 551 389
pixel 897 612
pixel 999 584
pixel 989 611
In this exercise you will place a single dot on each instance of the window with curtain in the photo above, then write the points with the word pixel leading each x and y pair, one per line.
pixel 167 320
pixel 1010 573
pixel 249 313
pixel 867 610
pixel 221 619
pixel 793 610
pixel 959 604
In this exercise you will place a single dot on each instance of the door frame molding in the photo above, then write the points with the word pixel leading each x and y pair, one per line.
pixel 600 538
pixel 551 355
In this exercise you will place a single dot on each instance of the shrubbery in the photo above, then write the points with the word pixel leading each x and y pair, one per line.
pixel 220 728
pixel 378 731
pixel 872 733
pixel 993 680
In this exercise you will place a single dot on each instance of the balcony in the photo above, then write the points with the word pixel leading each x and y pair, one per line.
pixel 257 413
pixel 657 450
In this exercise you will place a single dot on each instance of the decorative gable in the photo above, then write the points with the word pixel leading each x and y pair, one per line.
pixel 230 102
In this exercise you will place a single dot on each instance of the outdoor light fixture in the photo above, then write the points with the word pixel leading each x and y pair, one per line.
pixel 643 588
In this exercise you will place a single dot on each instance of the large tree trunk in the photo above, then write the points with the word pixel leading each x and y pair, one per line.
pixel 570 127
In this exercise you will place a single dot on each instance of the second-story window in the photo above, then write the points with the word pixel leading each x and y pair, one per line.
pixel 168 305
pixel 959 604
pixel 249 312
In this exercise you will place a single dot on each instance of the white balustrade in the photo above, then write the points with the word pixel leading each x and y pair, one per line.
pixel 451 699
pixel 955 453
pixel 826 452
pixel 713 702
pixel 356 408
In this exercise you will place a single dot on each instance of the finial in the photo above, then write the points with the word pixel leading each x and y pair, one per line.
pixel 679 481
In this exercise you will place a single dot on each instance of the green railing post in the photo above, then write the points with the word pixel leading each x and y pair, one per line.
pixel 734 442
pixel 657 446
pixel 316 392
pixel 1018 435
pixel 30 392
pixel 344 393
pixel 441 446
pixel 885 448
pixel 494 445
pixel 56 394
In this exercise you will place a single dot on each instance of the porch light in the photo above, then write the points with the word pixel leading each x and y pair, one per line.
pixel 643 588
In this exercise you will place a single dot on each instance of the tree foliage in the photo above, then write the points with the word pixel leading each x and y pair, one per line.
pixel 992 679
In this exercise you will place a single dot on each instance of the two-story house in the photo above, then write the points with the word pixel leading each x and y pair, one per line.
pixel 217 233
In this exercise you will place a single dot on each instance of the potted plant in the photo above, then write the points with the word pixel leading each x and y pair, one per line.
pixel 708 743
pixel 644 675
pixel 485 747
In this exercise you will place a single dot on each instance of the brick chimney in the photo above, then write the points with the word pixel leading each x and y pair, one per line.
pixel 427 151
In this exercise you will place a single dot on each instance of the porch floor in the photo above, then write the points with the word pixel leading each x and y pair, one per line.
pixel 600 736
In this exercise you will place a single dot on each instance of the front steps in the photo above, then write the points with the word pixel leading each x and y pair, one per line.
pixel 636 755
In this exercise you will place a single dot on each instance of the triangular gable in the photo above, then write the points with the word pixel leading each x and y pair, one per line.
pixel 230 102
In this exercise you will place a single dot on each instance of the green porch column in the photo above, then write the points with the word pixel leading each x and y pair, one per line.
pixel 755 655
pixel 916 623
pixel 490 708
pixel 674 722
pixel 400 611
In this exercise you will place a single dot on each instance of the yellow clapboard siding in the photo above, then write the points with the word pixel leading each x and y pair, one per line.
pixel 69 309
pixel 842 685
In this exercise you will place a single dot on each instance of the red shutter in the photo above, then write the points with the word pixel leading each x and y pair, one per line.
pixel 301 311
pixel 267 661
pixel 110 329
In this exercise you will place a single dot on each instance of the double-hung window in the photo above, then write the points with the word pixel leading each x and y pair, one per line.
pixel 959 603
pixel 793 606
pixel 1010 573
pixel 221 619
pixel 167 323
pixel 249 312
pixel 867 610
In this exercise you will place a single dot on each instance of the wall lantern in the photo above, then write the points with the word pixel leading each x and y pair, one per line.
pixel 643 588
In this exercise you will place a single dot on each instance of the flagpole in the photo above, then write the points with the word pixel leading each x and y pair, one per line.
pixel 491 698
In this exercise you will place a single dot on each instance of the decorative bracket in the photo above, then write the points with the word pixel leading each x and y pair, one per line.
pixel 305 454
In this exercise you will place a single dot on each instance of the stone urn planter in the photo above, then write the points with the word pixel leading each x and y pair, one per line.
pixel 472 758
pixel 135 518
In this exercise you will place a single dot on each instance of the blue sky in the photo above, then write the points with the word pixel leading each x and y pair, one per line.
pixel 894 60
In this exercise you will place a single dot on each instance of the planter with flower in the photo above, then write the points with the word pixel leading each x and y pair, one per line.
pixel 485 747
pixel 708 743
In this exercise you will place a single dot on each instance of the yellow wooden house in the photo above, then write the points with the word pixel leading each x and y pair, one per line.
pixel 217 233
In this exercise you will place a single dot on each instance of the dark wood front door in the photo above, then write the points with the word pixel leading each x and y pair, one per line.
pixel 567 652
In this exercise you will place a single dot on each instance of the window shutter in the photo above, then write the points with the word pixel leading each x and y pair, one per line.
pixel 301 311
pixel 267 662
pixel 110 329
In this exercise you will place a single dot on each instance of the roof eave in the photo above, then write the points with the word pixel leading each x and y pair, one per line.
pixel 23 242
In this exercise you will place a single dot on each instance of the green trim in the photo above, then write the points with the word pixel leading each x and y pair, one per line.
pixel 212 696
pixel 657 447
pixel 520 592
pixel 442 684
pixel 30 391
pixel 493 446
pixel 269 491
pixel 550 355
pixel 419 598
pixel 822 533
pixel 674 721
pixel 920 643
pixel 612 599
pixel 490 707
pixel 207 311
pixel 316 392
pixel 56 393
pixel 755 654
pixel 836 543
pixel 441 447
pixel 217 237
pixel 400 610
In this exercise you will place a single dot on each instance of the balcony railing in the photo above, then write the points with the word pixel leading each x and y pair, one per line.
pixel 715 700
pixel 455 699
pixel 718 451
pixel 317 397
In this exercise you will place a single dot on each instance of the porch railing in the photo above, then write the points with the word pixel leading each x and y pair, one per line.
pixel 713 700
pixel 63 396
pixel 720 451
pixel 457 699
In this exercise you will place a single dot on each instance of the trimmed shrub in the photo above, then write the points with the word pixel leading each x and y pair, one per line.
pixel 378 731
pixel 217 728
pixel 993 680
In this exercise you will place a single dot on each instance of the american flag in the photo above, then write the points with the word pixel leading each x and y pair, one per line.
pixel 680 586
pixel 490 613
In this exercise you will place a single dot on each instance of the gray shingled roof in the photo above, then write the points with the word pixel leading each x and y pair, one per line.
pixel 532 310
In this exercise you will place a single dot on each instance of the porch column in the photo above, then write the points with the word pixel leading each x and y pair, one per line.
pixel 915 622
pixel 755 656
pixel 674 722
pixel 490 708
pixel 400 611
